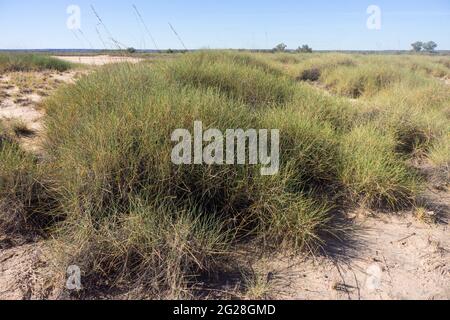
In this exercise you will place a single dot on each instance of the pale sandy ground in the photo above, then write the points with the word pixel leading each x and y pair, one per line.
pixel 98 60
pixel 25 273
pixel 25 110
pixel 390 258
pixel 24 107
pixel 387 257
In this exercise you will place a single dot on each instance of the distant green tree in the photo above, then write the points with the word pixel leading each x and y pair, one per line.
pixel 417 46
pixel 131 50
pixel 430 46
pixel 305 49
pixel 280 48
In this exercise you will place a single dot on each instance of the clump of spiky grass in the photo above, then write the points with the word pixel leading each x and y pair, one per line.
pixel 291 220
pixel 244 59
pixel 309 147
pixel 257 286
pixel 362 80
pixel 25 202
pixel 414 114
pixel 430 66
pixel 373 172
pixel 129 210
pixel 310 102
pixel 439 156
pixel 155 109
pixel 159 248
pixel 108 167
pixel 102 170
pixel 445 61
pixel 313 67
pixel 312 74
pixel 287 58
pixel 31 62
pixel 248 80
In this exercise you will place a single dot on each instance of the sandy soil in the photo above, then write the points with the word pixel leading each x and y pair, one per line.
pixel 25 273
pixel 388 257
pixel 98 60
pixel 22 104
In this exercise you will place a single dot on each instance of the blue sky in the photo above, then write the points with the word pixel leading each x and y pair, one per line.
pixel 324 25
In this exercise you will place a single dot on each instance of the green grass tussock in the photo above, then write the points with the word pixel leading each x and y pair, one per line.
pixel 439 156
pixel 157 247
pixel 313 68
pixel 365 80
pixel 312 103
pixel 31 62
pixel 415 115
pixel 245 79
pixel 112 162
pixel 25 202
pixel 309 148
pixel 103 170
pixel 373 172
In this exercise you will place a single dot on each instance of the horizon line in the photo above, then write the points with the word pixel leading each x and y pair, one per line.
pixel 200 49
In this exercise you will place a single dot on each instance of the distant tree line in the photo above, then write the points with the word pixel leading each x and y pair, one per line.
pixel 420 46
pixel 282 48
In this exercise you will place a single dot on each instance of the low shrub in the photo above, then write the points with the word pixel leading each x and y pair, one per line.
pixel 310 75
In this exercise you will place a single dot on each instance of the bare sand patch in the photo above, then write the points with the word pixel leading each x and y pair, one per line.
pixel 389 257
pixel 27 274
pixel 20 96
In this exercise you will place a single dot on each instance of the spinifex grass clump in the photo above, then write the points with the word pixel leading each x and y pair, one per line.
pixel 131 214
pixel 25 202
pixel 309 148
pixel 440 157
pixel 434 66
pixel 373 172
pixel 110 137
pixel 309 102
pixel 117 181
pixel 315 66
pixel 130 154
pixel 31 62
pixel 252 81
pixel 242 59
pixel 158 246
pixel 413 111
pixel 288 58
pixel 366 80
